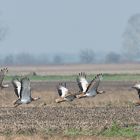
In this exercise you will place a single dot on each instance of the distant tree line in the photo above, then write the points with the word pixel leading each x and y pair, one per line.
pixel 131 39
pixel 86 56
pixel 130 50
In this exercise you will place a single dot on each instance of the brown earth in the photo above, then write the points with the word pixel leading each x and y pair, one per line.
pixel 97 113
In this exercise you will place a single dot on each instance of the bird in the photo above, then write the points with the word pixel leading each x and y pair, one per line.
pixel 137 87
pixel 22 88
pixel 82 82
pixel 89 89
pixel 3 72
pixel 64 93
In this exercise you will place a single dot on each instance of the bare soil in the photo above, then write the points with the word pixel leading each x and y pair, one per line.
pixel 97 113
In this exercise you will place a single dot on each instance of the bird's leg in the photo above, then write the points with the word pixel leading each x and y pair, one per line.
pixel 16 105
pixel 100 91
pixel 60 100
pixel 81 95
pixel 34 99
pixel 137 103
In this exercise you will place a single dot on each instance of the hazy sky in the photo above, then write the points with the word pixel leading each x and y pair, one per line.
pixel 51 26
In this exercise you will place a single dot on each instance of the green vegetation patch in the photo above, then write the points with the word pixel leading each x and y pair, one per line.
pixel 117 131
pixel 106 77
pixel 76 132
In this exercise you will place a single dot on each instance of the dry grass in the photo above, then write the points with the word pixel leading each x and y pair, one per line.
pixel 114 96
pixel 117 98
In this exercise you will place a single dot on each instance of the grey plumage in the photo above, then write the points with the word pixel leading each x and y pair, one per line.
pixel 22 89
pixel 16 82
pixel 91 87
pixel 2 76
pixel 64 93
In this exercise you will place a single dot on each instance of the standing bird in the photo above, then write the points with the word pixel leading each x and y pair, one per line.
pixel 64 93
pixel 137 87
pixel 22 89
pixel 2 75
pixel 89 89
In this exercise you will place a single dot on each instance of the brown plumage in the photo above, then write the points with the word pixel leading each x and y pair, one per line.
pixel 64 93
pixel 91 88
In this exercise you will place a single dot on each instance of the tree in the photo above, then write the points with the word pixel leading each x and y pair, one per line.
pixel 131 38
pixel 87 56
pixel 8 60
pixel 57 59
pixel 112 57
pixel 3 31
pixel 25 59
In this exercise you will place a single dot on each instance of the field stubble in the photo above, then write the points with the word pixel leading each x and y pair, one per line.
pixel 116 105
pixel 98 113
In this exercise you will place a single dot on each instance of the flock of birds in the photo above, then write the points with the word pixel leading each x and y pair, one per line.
pixel 22 88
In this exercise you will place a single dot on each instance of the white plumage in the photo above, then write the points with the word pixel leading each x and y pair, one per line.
pixel 88 89
pixel 64 93
pixel 22 89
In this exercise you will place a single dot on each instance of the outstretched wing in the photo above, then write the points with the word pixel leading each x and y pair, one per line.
pixel 25 93
pixel 17 86
pixel 137 87
pixel 70 97
pixel 94 84
pixel 2 75
pixel 82 82
pixel 62 90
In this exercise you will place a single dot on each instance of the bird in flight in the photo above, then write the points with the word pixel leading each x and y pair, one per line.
pixel 89 89
pixel 22 88
pixel 64 93
pixel 2 76
pixel 137 87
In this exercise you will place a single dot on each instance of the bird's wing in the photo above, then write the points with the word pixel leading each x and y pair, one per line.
pixel 82 82
pixel 17 86
pixel 2 75
pixel 62 90
pixel 94 84
pixel 25 89
pixel 136 86
pixel 70 97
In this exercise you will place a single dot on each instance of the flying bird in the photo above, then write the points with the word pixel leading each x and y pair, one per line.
pixel 22 90
pixel 88 89
pixel 2 76
pixel 137 87
pixel 82 82
pixel 64 93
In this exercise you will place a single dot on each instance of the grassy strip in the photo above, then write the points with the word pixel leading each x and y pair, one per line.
pixel 114 131
pixel 106 77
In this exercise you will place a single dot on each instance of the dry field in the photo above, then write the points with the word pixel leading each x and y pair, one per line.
pixel 88 114
pixel 76 68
